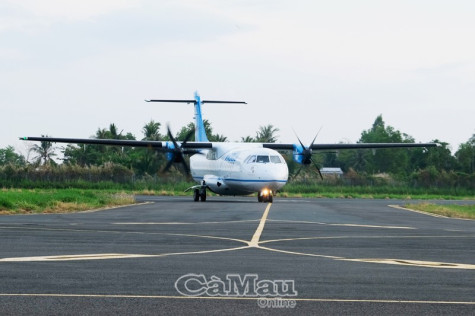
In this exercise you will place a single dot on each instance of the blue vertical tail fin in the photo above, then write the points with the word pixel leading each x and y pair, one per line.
pixel 200 131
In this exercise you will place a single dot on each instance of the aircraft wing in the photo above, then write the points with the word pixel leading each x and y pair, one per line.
pixel 349 146
pixel 117 142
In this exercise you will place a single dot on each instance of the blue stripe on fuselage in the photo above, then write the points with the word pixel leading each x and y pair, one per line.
pixel 245 180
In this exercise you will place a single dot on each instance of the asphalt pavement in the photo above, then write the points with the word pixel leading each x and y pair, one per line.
pixel 233 255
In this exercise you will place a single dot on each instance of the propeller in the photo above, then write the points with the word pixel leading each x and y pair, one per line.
pixel 179 151
pixel 306 154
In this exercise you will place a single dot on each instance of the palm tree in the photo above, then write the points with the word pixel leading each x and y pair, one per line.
pixel 44 152
pixel 151 130
pixel 247 139
pixel 218 138
pixel 266 134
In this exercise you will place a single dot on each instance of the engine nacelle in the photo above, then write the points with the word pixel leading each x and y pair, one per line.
pixel 298 154
pixel 170 155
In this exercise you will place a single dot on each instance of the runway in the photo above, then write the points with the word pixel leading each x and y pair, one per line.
pixel 343 256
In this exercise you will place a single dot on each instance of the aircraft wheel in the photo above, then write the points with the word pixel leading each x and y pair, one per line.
pixel 270 198
pixel 259 197
pixel 196 195
pixel 203 197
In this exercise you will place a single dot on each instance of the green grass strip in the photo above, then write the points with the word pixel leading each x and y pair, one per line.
pixel 24 201
pixel 449 210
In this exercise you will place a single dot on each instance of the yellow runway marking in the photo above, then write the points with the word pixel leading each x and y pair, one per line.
pixel 342 224
pixel 182 223
pixel 75 257
pixel 217 298
pixel 121 232
pixel 300 253
pixel 415 211
pixel 112 256
pixel 373 226
pixel 417 263
pixel 257 235
pixel 359 237
pixel 253 243
pixel 296 222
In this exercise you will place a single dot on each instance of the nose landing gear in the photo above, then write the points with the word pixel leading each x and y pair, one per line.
pixel 265 196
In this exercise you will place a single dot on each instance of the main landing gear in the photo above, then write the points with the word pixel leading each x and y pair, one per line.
pixel 265 196
pixel 197 195
pixel 200 193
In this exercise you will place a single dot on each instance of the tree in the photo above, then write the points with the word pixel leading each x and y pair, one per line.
pixel 247 139
pixel 8 156
pixel 218 138
pixel 466 156
pixel 440 157
pixel 44 152
pixel 99 154
pixel 146 160
pixel 180 136
pixel 385 160
pixel 151 131
pixel 266 134
pixel 80 154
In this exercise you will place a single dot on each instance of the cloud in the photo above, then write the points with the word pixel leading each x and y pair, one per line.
pixel 72 10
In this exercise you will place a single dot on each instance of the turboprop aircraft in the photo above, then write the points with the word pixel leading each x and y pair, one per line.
pixel 229 168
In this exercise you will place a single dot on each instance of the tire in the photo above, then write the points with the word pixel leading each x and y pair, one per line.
pixel 259 197
pixel 270 198
pixel 203 197
pixel 196 195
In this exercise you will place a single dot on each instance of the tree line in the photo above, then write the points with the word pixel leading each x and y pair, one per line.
pixel 431 166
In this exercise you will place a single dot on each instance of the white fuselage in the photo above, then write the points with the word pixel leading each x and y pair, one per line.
pixel 239 168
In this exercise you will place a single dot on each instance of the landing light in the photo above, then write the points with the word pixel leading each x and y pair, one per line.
pixel 266 192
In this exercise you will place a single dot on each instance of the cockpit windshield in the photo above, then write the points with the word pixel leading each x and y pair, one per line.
pixel 263 159
pixel 275 159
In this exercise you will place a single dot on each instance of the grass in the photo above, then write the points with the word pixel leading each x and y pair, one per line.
pixel 373 192
pixel 89 195
pixel 452 210
pixel 25 201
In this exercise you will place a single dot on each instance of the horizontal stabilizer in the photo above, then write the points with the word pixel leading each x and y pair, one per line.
pixel 208 101
pixel 194 101
pixel 175 101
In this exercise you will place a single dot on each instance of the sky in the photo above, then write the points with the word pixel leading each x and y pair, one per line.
pixel 70 67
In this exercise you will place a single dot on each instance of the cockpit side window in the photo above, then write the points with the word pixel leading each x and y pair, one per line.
pixel 275 159
pixel 251 159
pixel 211 155
pixel 262 159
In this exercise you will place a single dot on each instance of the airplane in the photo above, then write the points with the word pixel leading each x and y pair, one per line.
pixel 230 168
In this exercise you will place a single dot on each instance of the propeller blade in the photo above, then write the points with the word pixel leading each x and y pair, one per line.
pixel 169 164
pixel 185 167
pixel 169 132
pixel 313 141
pixel 303 146
pixel 295 175
pixel 318 169
pixel 178 152
pixel 188 136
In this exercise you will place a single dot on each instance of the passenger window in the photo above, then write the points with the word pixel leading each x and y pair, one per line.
pixel 263 159
pixel 275 159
